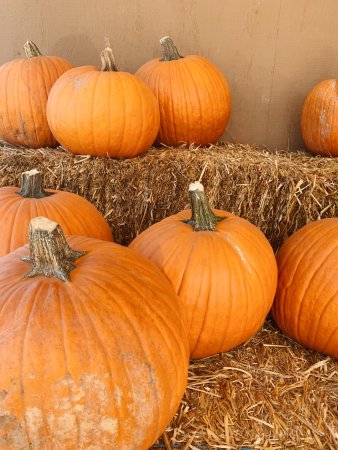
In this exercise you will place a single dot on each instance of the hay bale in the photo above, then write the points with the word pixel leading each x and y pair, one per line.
pixel 279 192
pixel 269 393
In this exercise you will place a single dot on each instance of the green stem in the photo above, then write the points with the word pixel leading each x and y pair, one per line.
pixel 50 253
pixel 202 216
pixel 170 52
pixel 31 50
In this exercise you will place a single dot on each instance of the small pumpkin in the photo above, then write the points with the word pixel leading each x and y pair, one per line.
pixel 319 119
pixel 193 96
pixel 306 303
pixel 19 206
pixel 222 268
pixel 103 112
pixel 24 87
pixel 93 349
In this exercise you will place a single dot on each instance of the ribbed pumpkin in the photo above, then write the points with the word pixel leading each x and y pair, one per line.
pixel 193 96
pixel 221 266
pixel 24 87
pixel 103 112
pixel 319 120
pixel 19 206
pixel 97 361
pixel 306 303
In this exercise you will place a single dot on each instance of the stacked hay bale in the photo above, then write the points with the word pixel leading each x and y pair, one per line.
pixel 277 191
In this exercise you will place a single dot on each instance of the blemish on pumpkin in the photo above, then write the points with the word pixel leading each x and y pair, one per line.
pixel 78 83
pixel 325 127
pixel 3 394
pixel 34 422
pixel 109 425
pixel 12 434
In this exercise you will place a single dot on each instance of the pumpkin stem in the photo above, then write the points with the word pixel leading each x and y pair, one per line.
pixel 170 52
pixel 50 254
pixel 31 50
pixel 202 216
pixel 31 185
pixel 108 58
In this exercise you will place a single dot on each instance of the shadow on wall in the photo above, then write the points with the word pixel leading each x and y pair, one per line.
pixel 79 49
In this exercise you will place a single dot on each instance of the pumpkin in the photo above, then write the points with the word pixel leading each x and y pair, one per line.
pixel 24 87
pixel 19 206
pixel 222 268
pixel 193 96
pixel 319 119
pixel 306 303
pixel 103 112
pixel 93 350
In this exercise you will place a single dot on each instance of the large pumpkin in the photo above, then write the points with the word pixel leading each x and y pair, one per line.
pixel 221 266
pixel 24 87
pixel 93 349
pixel 19 206
pixel 306 303
pixel 103 112
pixel 319 119
pixel 193 96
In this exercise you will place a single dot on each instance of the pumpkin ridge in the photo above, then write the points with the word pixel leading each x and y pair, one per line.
pixel 155 84
pixel 295 269
pixel 18 69
pixel 125 107
pixel 43 101
pixel 65 353
pixel 143 348
pixel 322 140
pixel 309 281
pixel 294 250
pixel 34 302
pixel 327 306
pixel 53 74
pixel 248 294
pixel 143 131
pixel 185 126
pixel 84 305
pixel 221 94
pixel 193 75
pixel 205 312
pixel 31 107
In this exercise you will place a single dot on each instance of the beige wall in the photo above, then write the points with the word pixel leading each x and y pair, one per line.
pixel 271 51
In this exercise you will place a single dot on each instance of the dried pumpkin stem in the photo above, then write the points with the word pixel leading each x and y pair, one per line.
pixel 31 185
pixel 202 217
pixel 50 253
pixel 170 52
pixel 108 63
pixel 31 50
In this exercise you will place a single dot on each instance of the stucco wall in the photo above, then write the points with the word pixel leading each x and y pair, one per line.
pixel 271 51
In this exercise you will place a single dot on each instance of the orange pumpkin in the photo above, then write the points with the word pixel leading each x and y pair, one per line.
pixel 221 266
pixel 319 119
pixel 306 303
pixel 19 206
pixel 24 87
pixel 103 112
pixel 193 96
pixel 99 360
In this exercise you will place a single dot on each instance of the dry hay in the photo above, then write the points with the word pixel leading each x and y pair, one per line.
pixel 279 192
pixel 269 393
